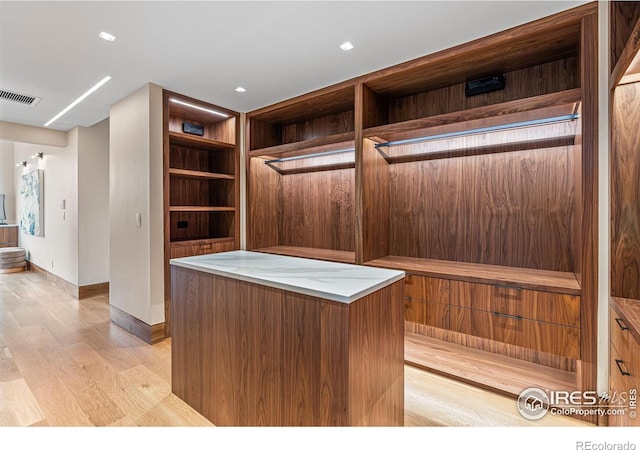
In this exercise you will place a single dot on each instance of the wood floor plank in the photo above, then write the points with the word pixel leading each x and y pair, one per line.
pixel 18 406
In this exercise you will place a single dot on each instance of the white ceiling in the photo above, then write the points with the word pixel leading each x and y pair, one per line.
pixel 276 50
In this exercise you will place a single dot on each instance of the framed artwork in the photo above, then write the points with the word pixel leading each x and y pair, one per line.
pixel 32 194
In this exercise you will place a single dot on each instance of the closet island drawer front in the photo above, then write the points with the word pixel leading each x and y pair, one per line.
pixel 427 301
pixel 554 308
pixel 180 250
pixel 515 330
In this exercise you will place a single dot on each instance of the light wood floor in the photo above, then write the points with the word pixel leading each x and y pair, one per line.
pixel 63 363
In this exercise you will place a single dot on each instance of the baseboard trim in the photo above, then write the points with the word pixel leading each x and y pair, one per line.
pixel 63 284
pixel 79 292
pixel 92 290
pixel 151 334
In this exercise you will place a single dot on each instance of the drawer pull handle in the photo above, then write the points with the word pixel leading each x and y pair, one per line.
pixel 504 286
pixel 619 363
pixel 621 324
pixel 507 316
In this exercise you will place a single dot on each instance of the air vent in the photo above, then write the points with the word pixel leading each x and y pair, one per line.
pixel 19 98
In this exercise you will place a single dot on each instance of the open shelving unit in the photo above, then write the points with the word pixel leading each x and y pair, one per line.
pixel 487 201
pixel 301 162
pixel 201 183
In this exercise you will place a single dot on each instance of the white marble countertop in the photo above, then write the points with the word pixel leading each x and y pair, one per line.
pixel 340 282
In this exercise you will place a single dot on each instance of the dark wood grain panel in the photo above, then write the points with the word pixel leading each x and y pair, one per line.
pixel 530 108
pixel 317 210
pixel 533 81
pixel 620 384
pixel 541 336
pixel 625 192
pixel 629 311
pixel 376 358
pixel 588 276
pixel 244 354
pixel 264 187
pixel 543 280
pixel 375 109
pixel 9 236
pixel 501 209
pixel 623 16
pixel 561 309
pixel 201 192
pixel 182 249
pixel 427 313
pixel 626 65
pixel 313 253
pixel 201 225
pixel 376 203
pixel 427 288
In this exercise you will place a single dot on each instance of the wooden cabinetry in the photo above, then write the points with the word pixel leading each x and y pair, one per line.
pixel 624 363
pixel 491 192
pixel 201 185
pixel 302 177
pixel 624 314
pixel 8 235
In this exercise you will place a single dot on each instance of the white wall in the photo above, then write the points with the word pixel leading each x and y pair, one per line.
pixel 135 173
pixel 93 204
pixel 57 250
pixel 7 182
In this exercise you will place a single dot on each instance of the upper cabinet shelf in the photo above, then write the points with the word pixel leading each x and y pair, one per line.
pixel 625 42
pixel 192 141
pixel 305 122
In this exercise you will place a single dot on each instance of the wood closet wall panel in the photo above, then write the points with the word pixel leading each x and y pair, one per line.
pixel 216 161
pixel 317 210
pixel 511 209
pixel 623 15
pixel 318 127
pixel 625 193
pixel 375 200
pixel 538 80
pixel 263 205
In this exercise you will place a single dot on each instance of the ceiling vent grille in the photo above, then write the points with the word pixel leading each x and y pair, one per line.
pixel 18 98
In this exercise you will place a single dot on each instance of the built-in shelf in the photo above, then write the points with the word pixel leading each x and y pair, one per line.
pixel 178 243
pixel 314 253
pixel 517 277
pixel 484 369
pixel 556 103
pixel 199 174
pixel 321 144
pixel 201 208
pixel 198 142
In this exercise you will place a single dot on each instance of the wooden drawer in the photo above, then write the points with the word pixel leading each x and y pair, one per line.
pixel 427 313
pixel 426 288
pixel 426 300
pixel 624 343
pixel 9 236
pixel 541 336
pixel 560 309
pixel 179 250
pixel 622 389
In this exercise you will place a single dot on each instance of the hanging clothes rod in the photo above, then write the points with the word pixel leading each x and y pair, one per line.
pixel 311 155
pixel 508 126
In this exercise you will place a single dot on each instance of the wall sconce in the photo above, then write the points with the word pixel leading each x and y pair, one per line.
pixel 39 155
pixel 22 163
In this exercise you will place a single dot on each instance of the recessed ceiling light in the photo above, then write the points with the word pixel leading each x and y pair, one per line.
pixel 346 46
pixel 78 100
pixel 240 89
pixel 106 36
pixel 210 111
